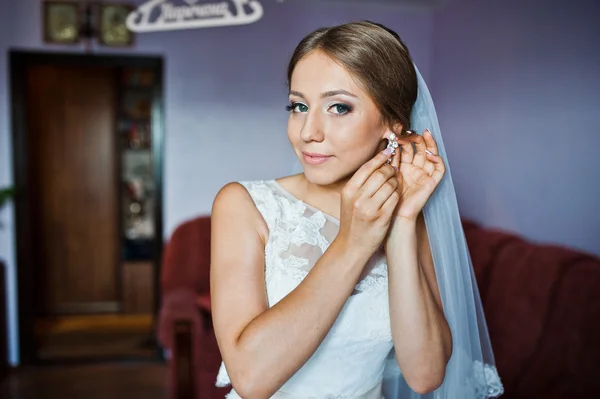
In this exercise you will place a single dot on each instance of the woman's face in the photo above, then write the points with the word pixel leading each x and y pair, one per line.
pixel 334 125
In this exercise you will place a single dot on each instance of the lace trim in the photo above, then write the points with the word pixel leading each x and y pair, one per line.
pixel 485 382
pixel 223 379
pixel 376 280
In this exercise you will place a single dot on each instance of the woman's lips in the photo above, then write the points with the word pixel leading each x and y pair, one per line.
pixel 315 159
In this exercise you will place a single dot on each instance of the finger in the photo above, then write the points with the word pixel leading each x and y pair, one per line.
pixel 440 168
pixel 407 152
pixel 365 171
pixel 429 166
pixel 430 142
pixel 377 180
pixel 420 146
pixel 390 204
pixel 431 153
pixel 384 192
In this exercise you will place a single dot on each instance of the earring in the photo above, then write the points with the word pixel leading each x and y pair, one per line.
pixel 393 144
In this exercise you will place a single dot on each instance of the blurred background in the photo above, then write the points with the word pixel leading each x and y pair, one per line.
pixel 113 145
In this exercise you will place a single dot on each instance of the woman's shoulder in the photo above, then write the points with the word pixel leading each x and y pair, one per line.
pixel 248 191
pixel 254 189
pixel 250 196
pixel 244 190
pixel 234 205
pixel 238 194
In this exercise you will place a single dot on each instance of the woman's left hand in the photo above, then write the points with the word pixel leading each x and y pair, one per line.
pixel 419 173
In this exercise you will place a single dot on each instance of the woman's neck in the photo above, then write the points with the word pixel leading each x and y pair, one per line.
pixel 324 197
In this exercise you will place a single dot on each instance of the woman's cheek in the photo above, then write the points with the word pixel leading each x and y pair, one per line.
pixel 293 129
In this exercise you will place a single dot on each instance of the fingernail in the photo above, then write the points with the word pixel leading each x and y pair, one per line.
pixel 387 151
pixel 428 131
pixel 429 152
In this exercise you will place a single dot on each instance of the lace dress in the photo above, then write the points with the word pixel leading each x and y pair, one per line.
pixel 351 360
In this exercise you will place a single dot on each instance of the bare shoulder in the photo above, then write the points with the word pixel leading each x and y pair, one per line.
pixel 234 206
pixel 229 195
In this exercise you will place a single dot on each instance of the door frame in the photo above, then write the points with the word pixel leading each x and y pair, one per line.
pixel 19 62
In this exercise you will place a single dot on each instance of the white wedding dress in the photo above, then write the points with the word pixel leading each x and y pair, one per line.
pixel 350 362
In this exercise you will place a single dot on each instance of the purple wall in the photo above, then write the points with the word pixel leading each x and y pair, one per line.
pixel 517 86
pixel 225 97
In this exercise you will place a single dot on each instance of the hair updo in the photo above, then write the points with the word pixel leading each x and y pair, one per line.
pixel 376 56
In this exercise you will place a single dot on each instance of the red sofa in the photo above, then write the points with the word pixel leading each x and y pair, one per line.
pixel 542 304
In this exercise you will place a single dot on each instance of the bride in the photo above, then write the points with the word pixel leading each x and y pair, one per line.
pixel 351 279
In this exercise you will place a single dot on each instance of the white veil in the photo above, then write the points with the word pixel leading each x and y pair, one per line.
pixel 471 371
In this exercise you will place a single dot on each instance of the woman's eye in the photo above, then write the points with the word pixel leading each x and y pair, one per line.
pixel 340 109
pixel 297 107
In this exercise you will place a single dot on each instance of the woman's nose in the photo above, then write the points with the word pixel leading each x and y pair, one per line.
pixel 312 129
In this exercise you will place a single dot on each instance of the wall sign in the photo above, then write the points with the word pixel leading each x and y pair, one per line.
pixel 162 15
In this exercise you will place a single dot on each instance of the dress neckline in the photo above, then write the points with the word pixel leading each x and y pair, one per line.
pixel 293 197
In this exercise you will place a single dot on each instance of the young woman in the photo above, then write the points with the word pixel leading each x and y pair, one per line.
pixel 351 279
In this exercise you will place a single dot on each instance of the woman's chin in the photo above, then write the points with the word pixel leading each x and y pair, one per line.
pixel 321 178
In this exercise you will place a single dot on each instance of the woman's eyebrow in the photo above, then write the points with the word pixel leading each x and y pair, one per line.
pixel 337 92
pixel 296 93
pixel 327 93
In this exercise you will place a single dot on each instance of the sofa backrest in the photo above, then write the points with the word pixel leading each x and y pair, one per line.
pixel 186 258
pixel 541 310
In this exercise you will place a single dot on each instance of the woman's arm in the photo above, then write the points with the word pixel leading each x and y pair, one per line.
pixel 263 347
pixel 422 337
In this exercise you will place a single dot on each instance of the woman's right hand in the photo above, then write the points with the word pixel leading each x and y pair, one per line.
pixel 368 203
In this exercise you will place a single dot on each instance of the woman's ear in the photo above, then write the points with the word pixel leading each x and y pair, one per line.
pixel 395 128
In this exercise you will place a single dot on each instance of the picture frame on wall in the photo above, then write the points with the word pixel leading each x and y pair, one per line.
pixel 61 22
pixel 112 25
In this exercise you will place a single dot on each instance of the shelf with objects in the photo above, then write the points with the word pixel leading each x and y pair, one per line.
pixel 138 197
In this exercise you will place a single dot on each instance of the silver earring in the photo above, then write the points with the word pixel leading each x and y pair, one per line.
pixel 393 144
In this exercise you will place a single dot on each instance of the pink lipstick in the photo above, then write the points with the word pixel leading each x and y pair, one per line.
pixel 315 159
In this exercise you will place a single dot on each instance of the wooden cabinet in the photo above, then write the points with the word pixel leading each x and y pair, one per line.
pixel 87 150
pixel 73 184
pixel 138 287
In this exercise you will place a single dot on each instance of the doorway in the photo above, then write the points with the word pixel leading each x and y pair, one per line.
pixel 87 153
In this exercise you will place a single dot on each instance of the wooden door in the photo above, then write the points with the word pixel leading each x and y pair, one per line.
pixel 73 184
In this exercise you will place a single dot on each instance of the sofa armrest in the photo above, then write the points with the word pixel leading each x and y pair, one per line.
pixel 178 306
pixel 203 302
pixel 182 328
pixel 182 368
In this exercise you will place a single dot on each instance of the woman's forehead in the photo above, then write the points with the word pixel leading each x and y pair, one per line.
pixel 317 73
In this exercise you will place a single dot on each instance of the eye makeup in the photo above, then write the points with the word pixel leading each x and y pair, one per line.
pixel 296 107
pixel 338 109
